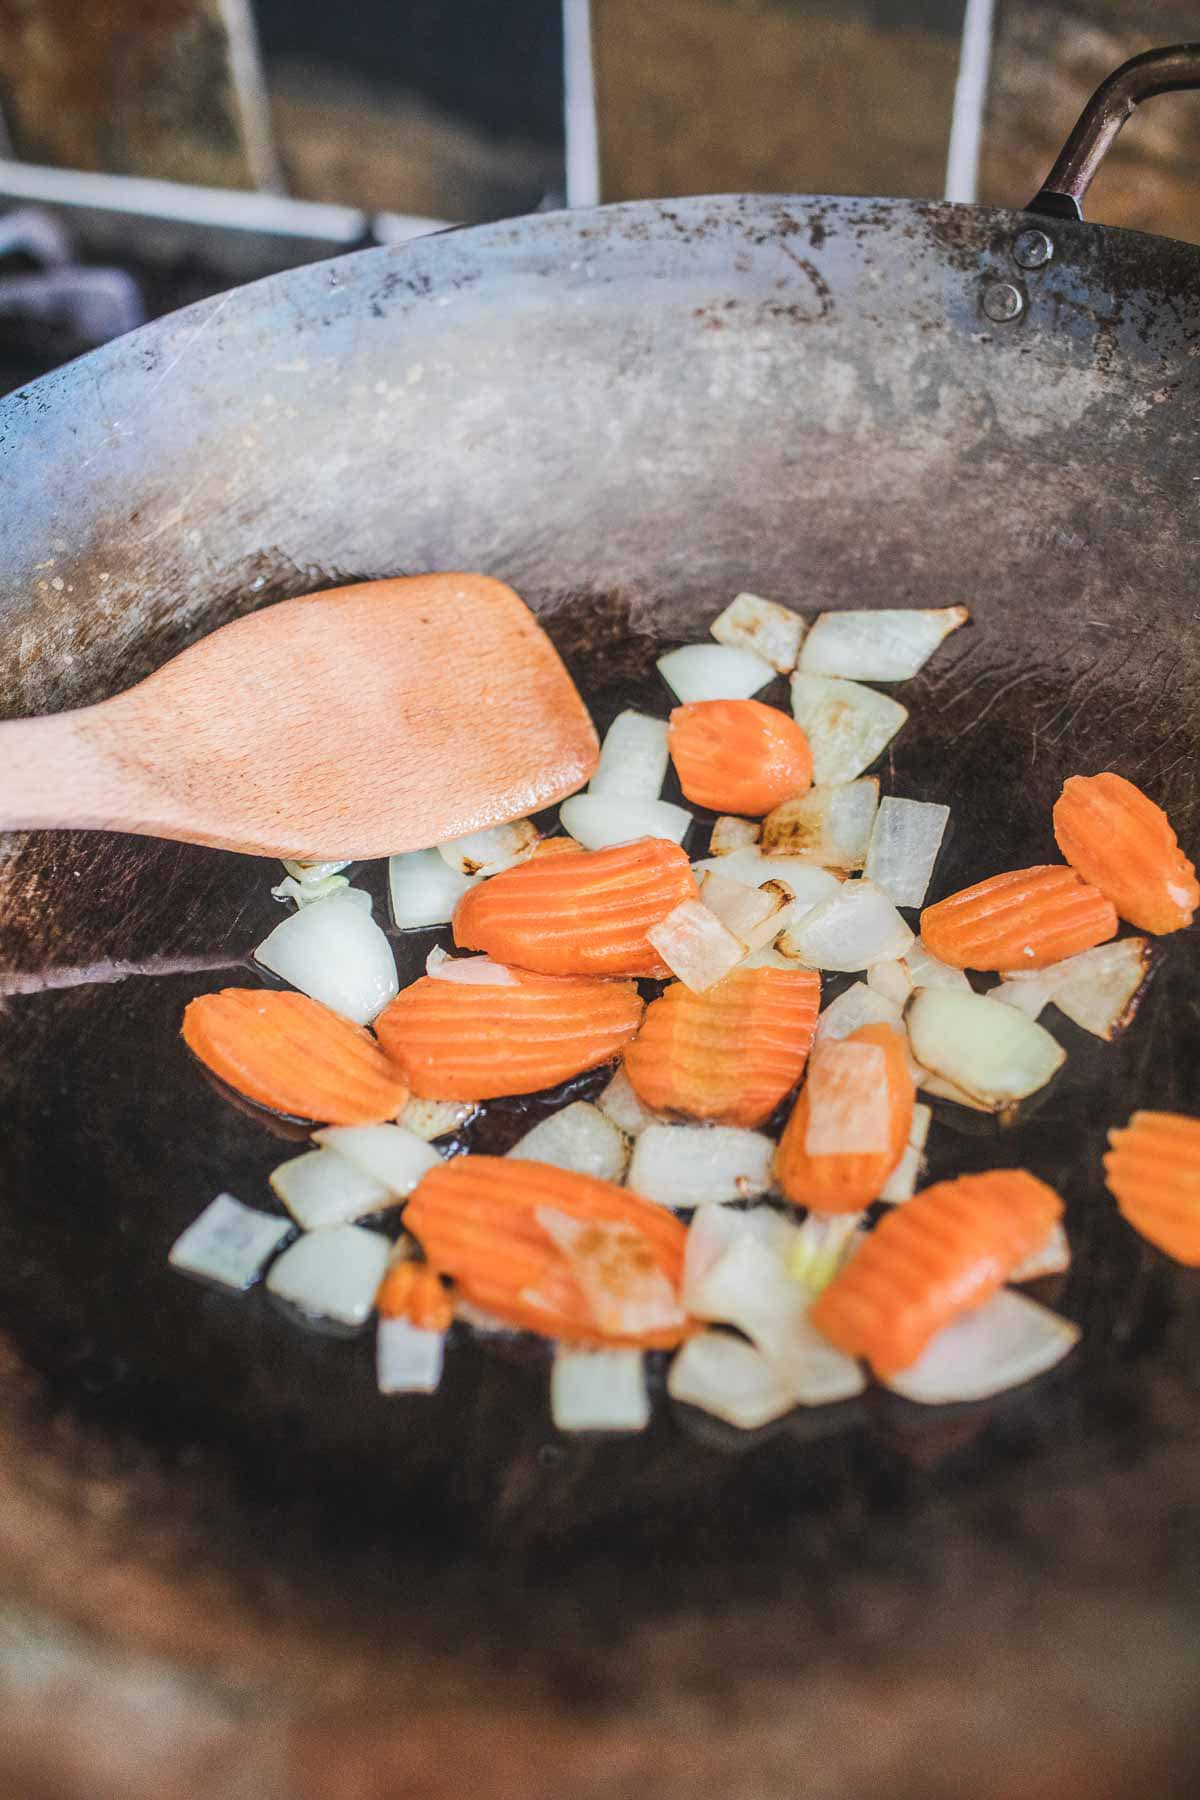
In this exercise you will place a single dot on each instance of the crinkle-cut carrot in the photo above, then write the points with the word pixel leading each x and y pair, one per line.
pixel 1120 841
pixel 1153 1169
pixel 414 1291
pixel 940 1255
pixel 730 1054
pixel 1024 919
pixel 293 1055
pixel 579 915
pixel 864 1101
pixel 739 756
pixel 475 1042
pixel 476 1219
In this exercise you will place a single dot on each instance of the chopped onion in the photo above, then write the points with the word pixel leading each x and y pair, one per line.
pixel 728 1378
pixel 857 927
pixel 714 672
pixel 715 1228
pixel 729 834
pixel 408 1359
pixel 598 821
pixel 599 1390
pixel 892 980
pixel 468 971
pixel 305 872
pixel 847 726
pixel 424 889
pixel 621 1104
pixel 578 1137
pixel 633 757
pixel 829 825
pixel 858 1005
pixel 334 952
pixel 823 1247
pixel 889 645
pixel 488 852
pixel 626 1291
pixel 332 1274
pixel 905 841
pixel 1053 1258
pixel 753 914
pixel 771 631
pixel 990 1051
pixel 388 1154
pixel 901 1184
pixel 1029 997
pixel 848 1100
pixel 228 1243
pixel 431 1119
pixel 1000 1345
pixel 305 892
pixel 1098 989
pixel 321 1189
pixel 941 1089
pixel 696 946
pixel 804 881
pixel 767 958
pixel 928 971
pixel 685 1165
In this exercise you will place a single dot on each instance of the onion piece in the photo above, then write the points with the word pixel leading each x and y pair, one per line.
pixel 228 1243
pixel 849 1104
pixel 754 914
pixel 713 672
pixel 577 1137
pixel 1000 1345
pixel 626 1291
pixel 823 1247
pixel 805 882
pixel 633 757
pixel 488 852
pixel 598 821
pixel 941 1089
pixel 424 889
pixel 321 1189
pixel 771 631
pixel 990 1051
pixel 888 645
pixel 828 825
pixel 857 927
pixel 715 1228
pixel 892 980
pixel 621 1105
pixel 696 946
pixel 305 892
pixel 305 872
pixel 334 952
pixel 387 1154
pixel 766 958
pixel 1029 997
pixel 599 1390
pixel 728 1378
pixel 1097 990
pixel 901 1184
pixel 408 1359
pixel 1053 1258
pixel 929 971
pixel 729 834
pixel 905 841
pixel 686 1165
pixel 332 1274
pixel 847 726
pixel 858 1005
pixel 429 1119
pixel 468 971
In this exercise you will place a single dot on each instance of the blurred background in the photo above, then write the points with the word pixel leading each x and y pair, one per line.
pixel 154 151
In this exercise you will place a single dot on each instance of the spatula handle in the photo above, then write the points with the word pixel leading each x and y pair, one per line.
pixel 51 777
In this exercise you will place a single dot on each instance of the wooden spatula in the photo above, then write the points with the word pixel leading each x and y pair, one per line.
pixel 375 718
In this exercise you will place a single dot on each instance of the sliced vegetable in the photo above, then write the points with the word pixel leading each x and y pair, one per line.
pixel 1053 1258
pixel 847 726
pixel 598 821
pixel 830 826
pixel 754 914
pixel 715 1228
pixel 1123 844
pixel 305 892
pixel 991 1051
pixel 892 980
pixel 731 1054
pixel 905 841
pixel 332 1274
pixel 738 756
pixel 925 1264
pixel 429 1119
pixel 729 834
pixel 688 1165
pixel 413 1291
pixel 626 1290
pixel 851 1123
pixel 291 1054
pixel 313 872
pixel 1002 1344
pixel 620 1103
pixel 488 852
pixel 474 1043
pixel 694 945
pixel 579 915
pixel 1153 1170
pixel 228 1243
pixel 714 672
pixel 822 1245
pixel 1028 996
pixel 928 971
pixel 599 1390
pixel 320 1189
pixel 334 952
pixel 941 1089
pixel 857 927
pixel 1098 990
pixel 424 889
pixel 725 1376
pixel 633 757
pixel 577 1137
pixel 468 971
pixel 388 1154
pixel 857 1006
pixel 901 1184
pixel 771 631
pixel 408 1358
pixel 555 846
pixel 888 645
pixel 1025 919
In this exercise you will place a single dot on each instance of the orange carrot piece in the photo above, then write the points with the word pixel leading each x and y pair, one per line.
pixel 1153 1169
pixel 940 1255
pixel 1024 919
pixel 476 1219
pixel 739 756
pixel 459 1042
pixel 730 1054
pixel 294 1056
pixel 848 1097
pixel 579 915
pixel 1114 836
pixel 413 1291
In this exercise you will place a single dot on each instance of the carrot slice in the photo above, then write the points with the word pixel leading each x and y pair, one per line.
pixel 940 1255
pixel 739 756
pixel 1153 1169
pixel 476 1218
pixel 413 1291
pixel 849 1128
pixel 1024 919
pixel 460 1042
pixel 729 1054
pixel 295 1056
pixel 1120 841
pixel 579 915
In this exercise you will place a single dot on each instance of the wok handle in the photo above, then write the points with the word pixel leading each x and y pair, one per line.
pixel 1154 72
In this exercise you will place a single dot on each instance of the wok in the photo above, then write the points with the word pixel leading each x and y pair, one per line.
pixel 629 414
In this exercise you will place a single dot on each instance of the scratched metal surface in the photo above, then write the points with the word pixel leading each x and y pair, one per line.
pixel 629 415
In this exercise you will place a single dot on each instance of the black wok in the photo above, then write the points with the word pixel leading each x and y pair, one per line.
pixel 629 414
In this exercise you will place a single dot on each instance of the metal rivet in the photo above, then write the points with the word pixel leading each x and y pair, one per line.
pixel 1002 302
pixel 1032 250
